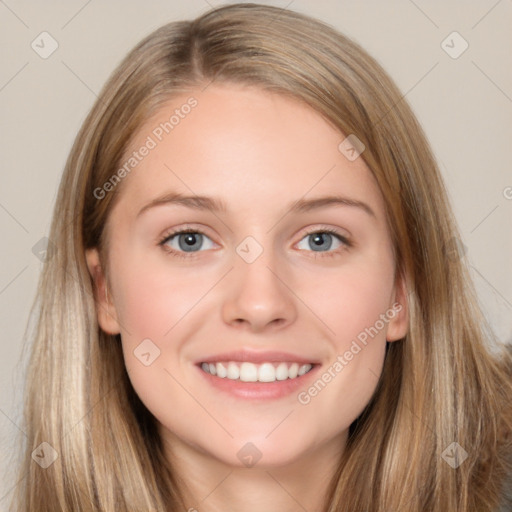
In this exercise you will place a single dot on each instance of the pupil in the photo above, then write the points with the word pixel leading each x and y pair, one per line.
pixel 319 239
pixel 188 241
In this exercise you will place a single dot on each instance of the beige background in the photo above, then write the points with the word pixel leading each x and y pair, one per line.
pixel 464 105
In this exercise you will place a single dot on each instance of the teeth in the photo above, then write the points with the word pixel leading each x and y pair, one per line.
pixel 250 372
pixel 303 369
pixel 233 371
pixel 292 372
pixel 221 370
pixel 282 371
pixel 267 373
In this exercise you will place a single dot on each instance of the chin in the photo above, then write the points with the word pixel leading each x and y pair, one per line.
pixel 259 452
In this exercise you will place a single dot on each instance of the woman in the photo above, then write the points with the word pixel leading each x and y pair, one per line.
pixel 256 373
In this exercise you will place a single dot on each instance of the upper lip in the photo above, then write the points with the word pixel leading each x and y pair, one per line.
pixel 251 356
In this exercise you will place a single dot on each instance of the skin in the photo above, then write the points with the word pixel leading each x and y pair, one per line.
pixel 258 152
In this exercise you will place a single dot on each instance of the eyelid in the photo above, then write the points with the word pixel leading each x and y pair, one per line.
pixel 181 229
pixel 316 228
pixel 307 231
pixel 346 240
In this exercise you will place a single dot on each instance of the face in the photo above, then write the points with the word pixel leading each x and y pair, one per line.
pixel 260 333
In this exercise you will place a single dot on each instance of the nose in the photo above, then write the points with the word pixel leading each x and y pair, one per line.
pixel 259 297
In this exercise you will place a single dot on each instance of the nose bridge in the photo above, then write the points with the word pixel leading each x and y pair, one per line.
pixel 259 295
pixel 259 260
pixel 256 263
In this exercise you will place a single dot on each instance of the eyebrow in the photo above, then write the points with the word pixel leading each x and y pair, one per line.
pixel 217 205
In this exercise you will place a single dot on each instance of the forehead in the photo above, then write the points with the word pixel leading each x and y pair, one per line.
pixel 247 146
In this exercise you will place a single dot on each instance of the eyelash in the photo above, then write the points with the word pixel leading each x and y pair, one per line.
pixel 184 255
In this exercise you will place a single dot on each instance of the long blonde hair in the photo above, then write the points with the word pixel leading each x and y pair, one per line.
pixel 440 384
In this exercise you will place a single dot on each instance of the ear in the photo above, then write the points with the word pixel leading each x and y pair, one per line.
pixel 399 323
pixel 105 309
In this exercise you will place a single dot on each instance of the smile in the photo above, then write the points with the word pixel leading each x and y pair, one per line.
pixel 250 372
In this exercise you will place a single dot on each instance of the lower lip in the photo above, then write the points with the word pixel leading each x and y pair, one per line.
pixel 259 390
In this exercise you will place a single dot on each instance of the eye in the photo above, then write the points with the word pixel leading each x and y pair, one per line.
pixel 323 239
pixel 184 241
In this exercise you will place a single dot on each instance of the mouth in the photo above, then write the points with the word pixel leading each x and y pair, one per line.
pixel 252 372
pixel 257 375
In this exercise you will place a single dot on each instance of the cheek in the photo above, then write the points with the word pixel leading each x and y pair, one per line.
pixel 152 308
pixel 351 299
pixel 354 303
pixel 153 300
